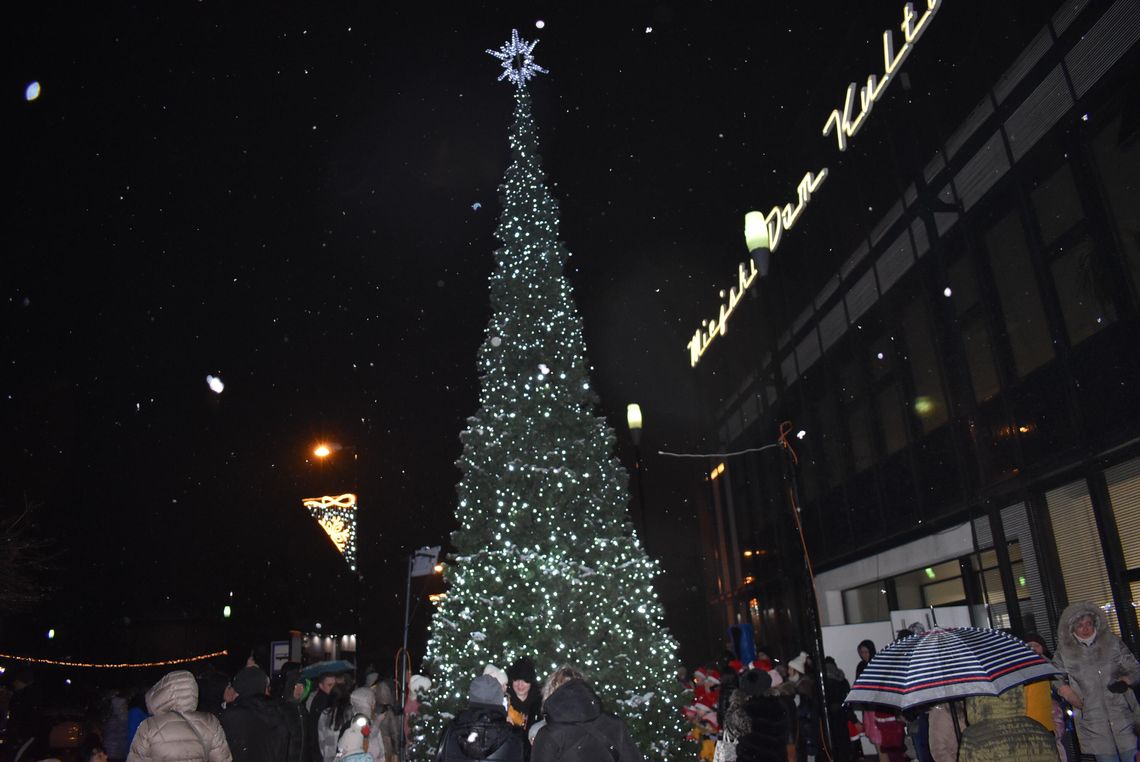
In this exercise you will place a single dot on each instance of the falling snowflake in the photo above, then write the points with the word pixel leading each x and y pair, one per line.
pixel 517 60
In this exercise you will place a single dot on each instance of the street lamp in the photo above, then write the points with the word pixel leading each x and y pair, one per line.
pixel 634 420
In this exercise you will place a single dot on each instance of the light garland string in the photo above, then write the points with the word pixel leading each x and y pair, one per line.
pixel 121 665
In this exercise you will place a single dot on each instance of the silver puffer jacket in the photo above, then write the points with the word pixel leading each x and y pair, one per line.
pixel 1104 725
pixel 176 732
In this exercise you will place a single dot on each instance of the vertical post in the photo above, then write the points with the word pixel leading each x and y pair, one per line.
pixel 641 495
pixel 402 664
pixel 787 470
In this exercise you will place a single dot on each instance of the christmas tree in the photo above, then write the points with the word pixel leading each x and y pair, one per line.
pixel 546 564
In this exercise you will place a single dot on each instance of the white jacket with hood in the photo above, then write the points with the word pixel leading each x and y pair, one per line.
pixel 176 731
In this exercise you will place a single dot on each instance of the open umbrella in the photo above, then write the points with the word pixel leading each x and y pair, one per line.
pixel 945 664
pixel 334 667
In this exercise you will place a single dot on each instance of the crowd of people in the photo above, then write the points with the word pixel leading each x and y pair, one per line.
pixel 765 709
pixel 247 717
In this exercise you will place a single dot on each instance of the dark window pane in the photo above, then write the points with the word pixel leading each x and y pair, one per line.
pixel 980 358
pixel 963 284
pixel 1084 313
pixel 891 414
pixel 929 403
pixel 1117 152
pixel 850 381
pixel 1057 205
pixel 862 448
pixel 1025 324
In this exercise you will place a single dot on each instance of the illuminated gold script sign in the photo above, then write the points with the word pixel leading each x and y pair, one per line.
pixel 336 514
pixel 765 231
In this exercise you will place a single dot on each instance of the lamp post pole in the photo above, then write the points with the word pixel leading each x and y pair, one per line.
pixel 403 662
pixel 634 419
pixel 791 488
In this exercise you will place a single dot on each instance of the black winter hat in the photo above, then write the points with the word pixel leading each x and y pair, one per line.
pixel 755 682
pixel 485 690
pixel 523 669
pixel 250 681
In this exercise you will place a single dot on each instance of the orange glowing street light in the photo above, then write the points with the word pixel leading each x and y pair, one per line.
pixel 322 451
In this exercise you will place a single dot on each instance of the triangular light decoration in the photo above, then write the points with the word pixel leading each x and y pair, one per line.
pixel 337 516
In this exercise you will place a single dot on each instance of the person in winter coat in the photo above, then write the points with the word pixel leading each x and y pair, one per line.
pixel 481 732
pixel 866 651
pixel 1098 673
pixel 576 729
pixel 525 694
pixel 751 686
pixel 389 724
pixel 999 731
pixel 176 731
pixel 354 742
pixel 363 701
pixel 115 728
pixel 333 721
pixel 294 691
pixel 1041 702
pixel 257 728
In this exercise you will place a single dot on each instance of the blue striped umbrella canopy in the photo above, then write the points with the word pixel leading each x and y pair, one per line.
pixel 947 663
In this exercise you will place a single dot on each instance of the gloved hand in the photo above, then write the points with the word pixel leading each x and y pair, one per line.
pixel 1118 686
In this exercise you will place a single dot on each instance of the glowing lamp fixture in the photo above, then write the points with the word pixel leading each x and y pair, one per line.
pixel 51 634
pixel 929 572
pixel 633 418
pixel 438 568
pixel 748 554
pixel 322 451
pixel 759 244
pixel 227 612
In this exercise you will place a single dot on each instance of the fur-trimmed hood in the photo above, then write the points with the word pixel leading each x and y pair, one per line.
pixel 1067 642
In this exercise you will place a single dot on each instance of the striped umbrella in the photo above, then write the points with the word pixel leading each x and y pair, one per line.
pixel 947 663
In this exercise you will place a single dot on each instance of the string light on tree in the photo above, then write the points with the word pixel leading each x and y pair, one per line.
pixel 547 564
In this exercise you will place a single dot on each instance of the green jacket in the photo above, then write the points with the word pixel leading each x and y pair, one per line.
pixel 999 731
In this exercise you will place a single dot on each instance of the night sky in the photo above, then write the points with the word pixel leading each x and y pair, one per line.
pixel 301 200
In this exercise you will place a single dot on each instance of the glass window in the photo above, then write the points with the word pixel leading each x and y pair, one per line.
pixel 1079 548
pixel 891 414
pixel 1073 274
pixel 929 403
pixel 1117 152
pixel 1025 325
pixel 862 446
pixel 980 358
pixel 1124 492
pixel 867 603
pixel 1057 204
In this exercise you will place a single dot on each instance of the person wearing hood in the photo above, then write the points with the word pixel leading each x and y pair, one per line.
pixel 577 730
pixel 1097 675
pixel 355 742
pixel 363 701
pixel 481 732
pixel 999 731
pixel 176 731
pixel 257 727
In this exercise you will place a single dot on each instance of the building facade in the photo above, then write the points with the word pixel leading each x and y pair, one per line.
pixel 964 368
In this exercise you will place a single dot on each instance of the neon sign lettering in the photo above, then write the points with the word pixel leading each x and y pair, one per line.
pixel 765 231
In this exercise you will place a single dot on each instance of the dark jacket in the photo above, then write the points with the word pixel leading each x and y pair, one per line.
pixel 317 702
pixel 480 732
pixel 577 730
pixel 767 731
pixel 257 729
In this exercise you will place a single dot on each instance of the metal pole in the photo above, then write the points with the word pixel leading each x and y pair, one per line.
pixel 787 469
pixel 641 497
pixel 402 663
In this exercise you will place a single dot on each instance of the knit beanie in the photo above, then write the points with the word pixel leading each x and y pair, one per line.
pixel 250 681
pixel 486 691
pixel 523 669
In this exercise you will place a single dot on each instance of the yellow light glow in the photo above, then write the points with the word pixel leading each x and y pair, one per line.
pixel 747 553
pixel 322 451
pixel 117 665
pixel 438 568
pixel 336 514
pixel 764 231
pixel 717 471
pixel 633 415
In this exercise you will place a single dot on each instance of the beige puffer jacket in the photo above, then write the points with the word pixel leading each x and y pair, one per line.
pixel 175 732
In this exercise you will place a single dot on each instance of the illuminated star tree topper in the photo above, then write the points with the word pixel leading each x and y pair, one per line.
pixel 517 56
